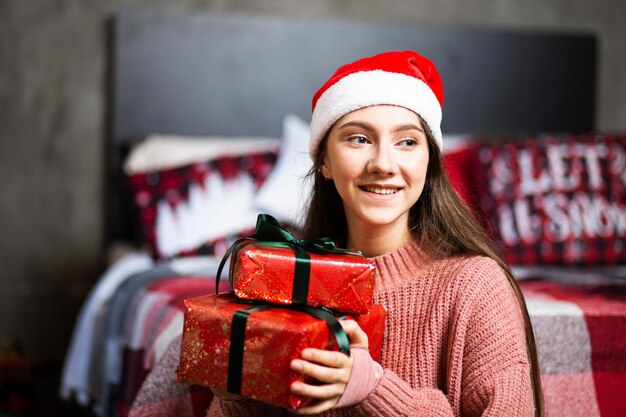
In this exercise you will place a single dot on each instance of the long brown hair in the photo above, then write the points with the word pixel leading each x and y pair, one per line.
pixel 440 221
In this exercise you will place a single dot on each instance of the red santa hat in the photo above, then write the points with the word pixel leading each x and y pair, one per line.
pixel 401 78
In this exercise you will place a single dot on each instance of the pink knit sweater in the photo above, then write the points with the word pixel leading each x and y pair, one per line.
pixel 454 343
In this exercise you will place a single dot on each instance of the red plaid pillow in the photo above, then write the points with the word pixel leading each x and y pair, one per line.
pixel 556 199
pixel 459 161
pixel 199 209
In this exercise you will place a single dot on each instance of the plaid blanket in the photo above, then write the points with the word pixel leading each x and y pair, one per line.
pixel 156 319
pixel 580 331
pixel 581 338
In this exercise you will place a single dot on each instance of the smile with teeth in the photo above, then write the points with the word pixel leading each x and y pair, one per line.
pixel 380 190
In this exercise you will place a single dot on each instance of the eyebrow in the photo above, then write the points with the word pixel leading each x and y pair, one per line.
pixel 408 127
pixel 367 126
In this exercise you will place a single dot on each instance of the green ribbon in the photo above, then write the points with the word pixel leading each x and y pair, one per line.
pixel 270 233
pixel 235 353
pixel 238 338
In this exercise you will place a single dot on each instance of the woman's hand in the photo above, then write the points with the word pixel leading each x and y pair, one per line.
pixel 356 336
pixel 331 369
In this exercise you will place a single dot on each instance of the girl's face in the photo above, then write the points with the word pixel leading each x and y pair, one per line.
pixel 377 156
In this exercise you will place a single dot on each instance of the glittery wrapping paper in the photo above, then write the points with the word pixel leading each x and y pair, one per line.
pixel 273 338
pixel 340 282
pixel 373 323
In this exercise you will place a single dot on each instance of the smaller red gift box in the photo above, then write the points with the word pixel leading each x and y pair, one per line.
pixel 342 282
pixel 271 338
pixel 274 267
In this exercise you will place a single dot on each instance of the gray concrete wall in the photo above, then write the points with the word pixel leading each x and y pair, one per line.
pixel 52 123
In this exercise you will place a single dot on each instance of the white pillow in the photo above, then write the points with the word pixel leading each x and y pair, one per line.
pixel 158 151
pixel 286 191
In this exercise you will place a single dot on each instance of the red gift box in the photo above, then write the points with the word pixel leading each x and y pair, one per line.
pixel 342 282
pixel 373 324
pixel 270 339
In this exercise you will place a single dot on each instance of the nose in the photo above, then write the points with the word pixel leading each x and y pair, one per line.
pixel 381 161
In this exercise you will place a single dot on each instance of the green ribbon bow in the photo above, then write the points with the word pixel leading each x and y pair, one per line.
pixel 270 233
pixel 238 337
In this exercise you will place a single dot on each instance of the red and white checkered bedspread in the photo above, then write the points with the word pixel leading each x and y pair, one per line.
pixel 580 332
pixel 581 338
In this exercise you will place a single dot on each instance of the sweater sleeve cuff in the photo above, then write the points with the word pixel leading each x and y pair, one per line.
pixel 363 379
pixel 395 397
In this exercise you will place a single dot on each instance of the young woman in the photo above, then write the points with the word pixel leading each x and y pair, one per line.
pixel 458 340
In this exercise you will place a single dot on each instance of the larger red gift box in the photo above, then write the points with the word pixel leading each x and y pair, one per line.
pixel 342 282
pixel 272 338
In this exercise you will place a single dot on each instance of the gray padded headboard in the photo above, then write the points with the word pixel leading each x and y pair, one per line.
pixel 206 74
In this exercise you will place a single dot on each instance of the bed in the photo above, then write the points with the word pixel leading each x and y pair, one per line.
pixel 208 127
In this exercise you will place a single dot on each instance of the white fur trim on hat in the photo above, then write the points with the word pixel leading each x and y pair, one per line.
pixel 369 88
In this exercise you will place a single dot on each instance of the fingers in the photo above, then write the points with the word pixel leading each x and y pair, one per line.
pixel 324 366
pixel 330 369
pixel 325 357
pixel 357 337
pixel 318 398
pixel 317 407
pixel 318 392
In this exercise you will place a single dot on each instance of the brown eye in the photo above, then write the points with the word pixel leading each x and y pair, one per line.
pixel 408 143
pixel 358 140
